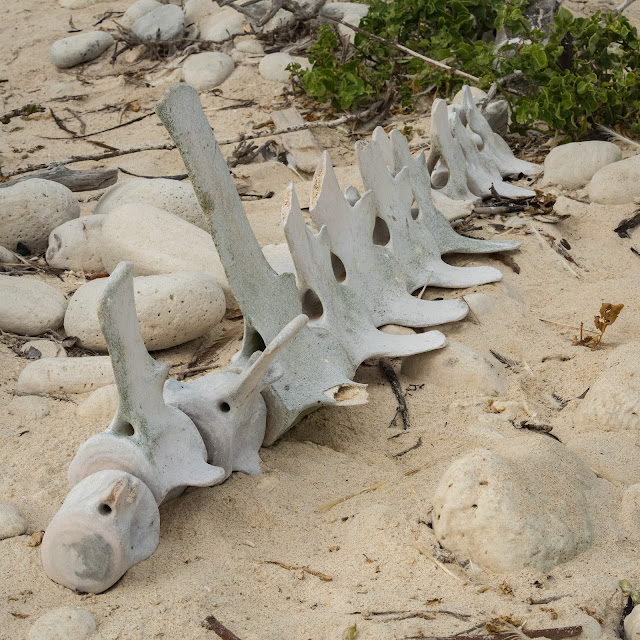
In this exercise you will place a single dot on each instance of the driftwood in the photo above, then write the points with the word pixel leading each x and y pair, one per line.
pixel 302 146
pixel 75 180
pixel 552 634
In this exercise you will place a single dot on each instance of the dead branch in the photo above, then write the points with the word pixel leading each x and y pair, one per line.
pixel 553 634
pixel 390 374
pixel 211 623
pixel 73 180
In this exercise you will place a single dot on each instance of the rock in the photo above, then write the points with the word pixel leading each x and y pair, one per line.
pixel 221 26
pixel 249 44
pixel 101 405
pixel 573 165
pixel 497 115
pixel 29 307
pixel 12 523
pixel 46 348
pixel 397 330
pixel 457 367
pixel 204 71
pixel 75 245
pixel 28 408
pixel 522 505
pixel 632 625
pixel 347 11
pixel 613 401
pixel 195 10
pixel 617 183
pixel 480 304
pixel 65 623
pixel 478 94
pixel 159 242
pixel 7 257
pixel 273 67
pixel 301 145
pixel 166 22
pixel 136 11
pixel 74 50
pixel 283 18
pixel 172 309
pixel 66 375
pixel 31 210
pixel 175 197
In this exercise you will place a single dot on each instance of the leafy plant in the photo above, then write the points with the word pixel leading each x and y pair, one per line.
pixel 608 315
pixel 580 74
pixel 628 590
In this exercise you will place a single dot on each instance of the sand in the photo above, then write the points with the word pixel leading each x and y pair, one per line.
pixel 239 551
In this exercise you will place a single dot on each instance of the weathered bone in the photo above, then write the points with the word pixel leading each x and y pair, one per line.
pixel 148 439
pixel 342 312
pixel 494 146
pixel 227 407
pixel 371 269
pixel 108 522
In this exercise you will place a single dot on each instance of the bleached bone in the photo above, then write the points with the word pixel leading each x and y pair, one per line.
pixel 445 147
pixel 411 241
pixel 494 145
pixel 317 369
pixel 227 407
pixel 108 522
pixel 483 173
pixel 148 439
pixel 370 269
pixel 447 239
pixel 342 313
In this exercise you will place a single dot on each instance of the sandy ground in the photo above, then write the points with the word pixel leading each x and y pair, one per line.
pixel 218 546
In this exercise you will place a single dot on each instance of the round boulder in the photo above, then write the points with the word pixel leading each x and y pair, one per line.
pixel 74 50
pixel 207 70
pixel 617 183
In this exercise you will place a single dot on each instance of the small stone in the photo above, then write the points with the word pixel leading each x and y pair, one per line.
pixel 12 523
pixel 172 309
pixel 282 18
pixel 46 348
pixel 350 12
pixel 573 165
pixel 497 115
pixel 29 307
pixel 136 11
pixel 66 375
pixel 75 245
pixel 175 197
pixel 28 407
pixel 617 183
pixel 101 405
pixel 522 505
pixel 159 242
pixel 195 10
pixel 632 625
pixel 478 94
pixel 480 304
pixel 65 623
pixel 31 210
pixel 7 257
pixel 221 26
pixel 397 330
pixel 249 44
pixel 204 71
pixel 166 22
pixel 273 67
pixel 74 50
pixel 457 367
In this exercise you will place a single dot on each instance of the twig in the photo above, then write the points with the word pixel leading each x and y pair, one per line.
pixel 168 146
pixel 390 375
pixel 563 260
pixel 568 326
pixel 179 176
pixel 42 395
pixel 411 448
pixel 415 54
pixel 553 634
pixel 95 133
pixel 61 125
pixel 334 503
pixel 289 567
pixel 211 623
pixel 627 3
pixel 428 556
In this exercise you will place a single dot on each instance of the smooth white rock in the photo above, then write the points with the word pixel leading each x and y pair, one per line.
pixel 457 367
pixel 248 44
pixel 524 504
pixel 281 19
pixel 47 349
pixel 350 12
pixel 28 407
pixel 12 523
pixel 159 242
pixel 65 623
pixel 613 400
pixel 220 26
pixel 397 330
pixel 29 307
pixel 617 183
pixel 67 375
pixel 481 304
pixel 7 257
pixel 31 210
pixel 478 94
pixel 136 11
pixel 273 67
pixel 166 22
pixel 204 71
pixel 573 165
pixel 75 245
pixel 173 196
pixel 172 309
pixel 632 625
pixel 100 405
pixel 195 10
pixel 74 50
